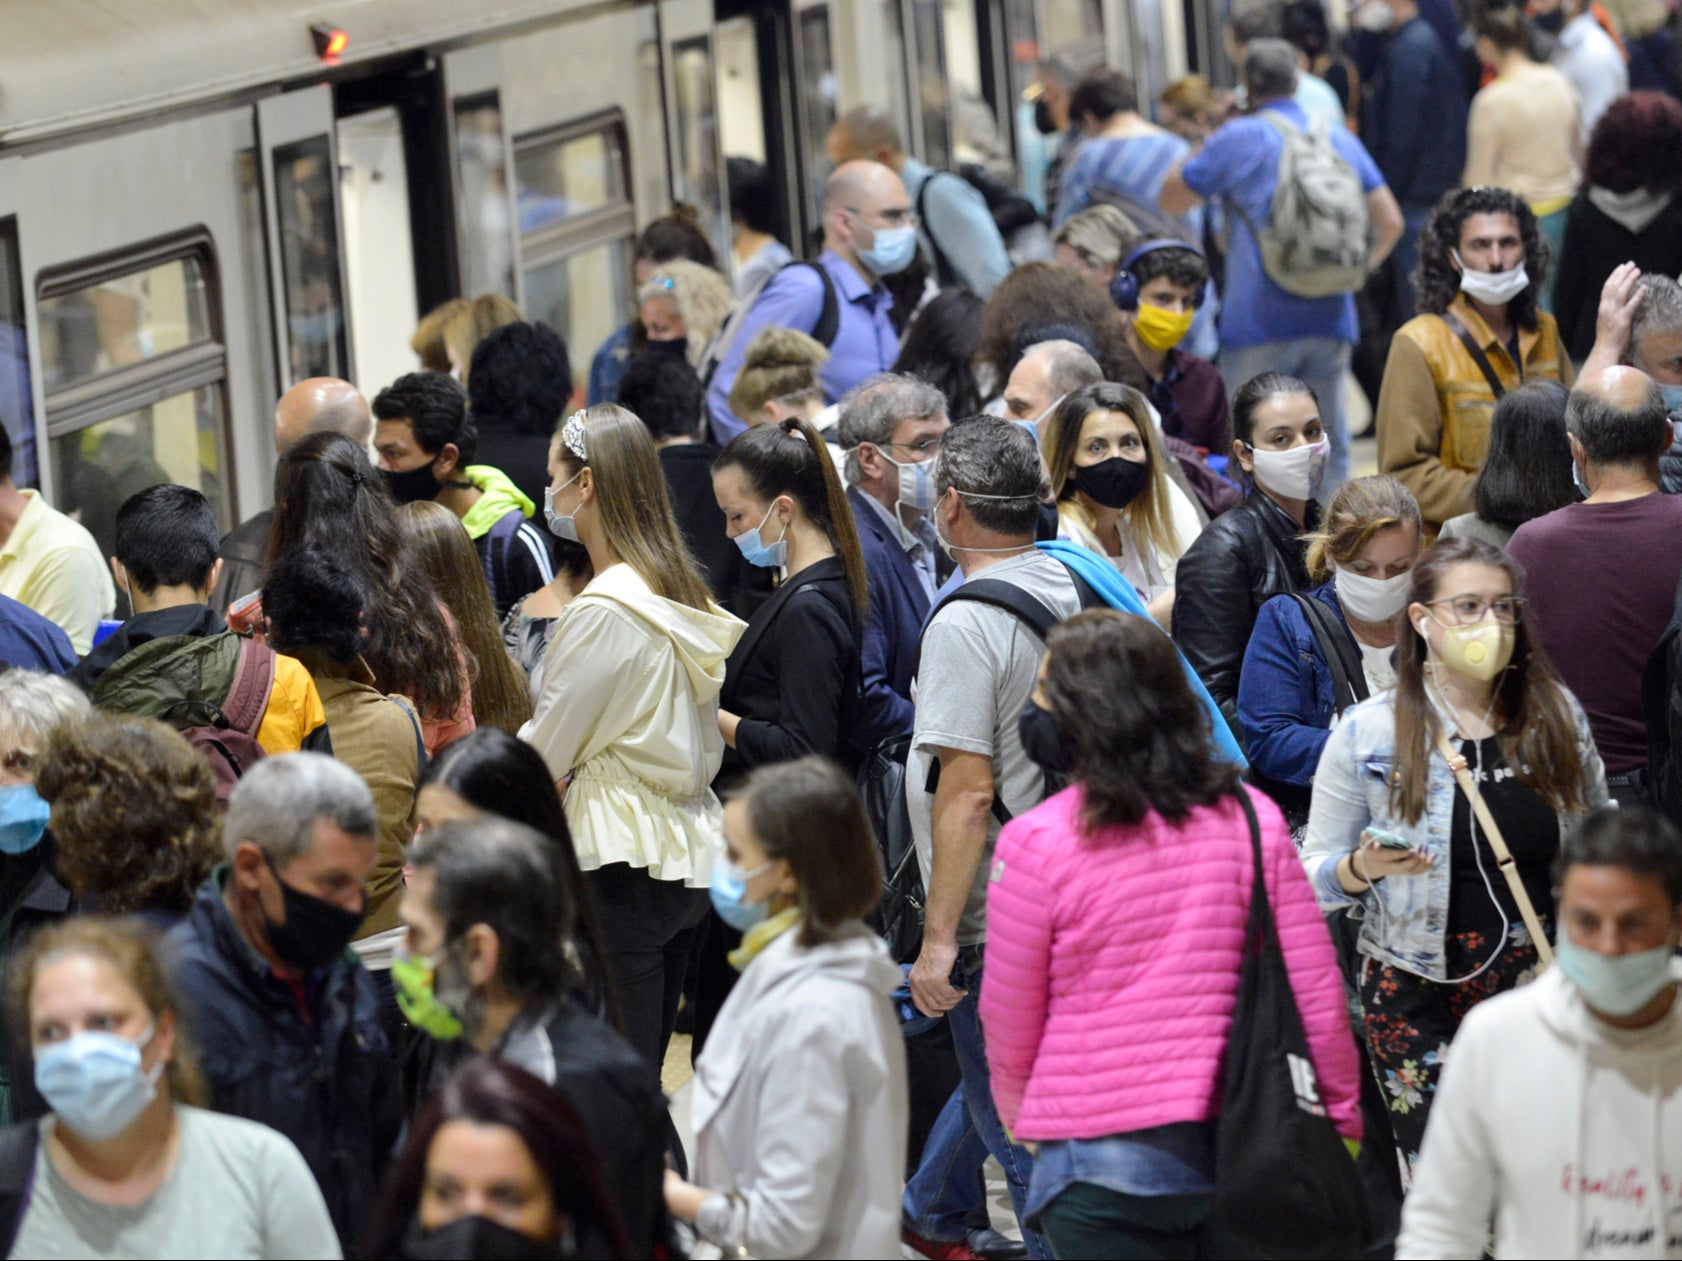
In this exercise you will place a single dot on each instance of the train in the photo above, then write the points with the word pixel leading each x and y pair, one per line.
pixel 203 203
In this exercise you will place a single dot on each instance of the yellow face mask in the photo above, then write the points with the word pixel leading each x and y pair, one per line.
pixel 1161 329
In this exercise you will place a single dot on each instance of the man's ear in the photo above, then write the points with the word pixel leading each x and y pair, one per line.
pixel 446 461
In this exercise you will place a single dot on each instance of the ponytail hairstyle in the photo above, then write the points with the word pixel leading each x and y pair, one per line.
pixel 790 458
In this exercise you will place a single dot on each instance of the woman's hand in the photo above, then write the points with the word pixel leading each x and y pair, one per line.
pixel 727 724
pixel 684 1199
pixel 1162 609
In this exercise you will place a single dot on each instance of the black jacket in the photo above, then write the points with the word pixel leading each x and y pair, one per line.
pixel 329 1083
pixel 1594 245
pixel 735 584
pixel 32 899
pixel 794 676
pixel 1247 556
pixel 245 561
pixel 613 1089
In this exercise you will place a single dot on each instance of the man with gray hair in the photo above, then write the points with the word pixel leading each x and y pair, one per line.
pixel 967 770
pixel 318 405
pixel 1264 327
pixel 891 428
pixel 1602 575
pixel 1640 324
pixel 287 1020
pixel 1047 371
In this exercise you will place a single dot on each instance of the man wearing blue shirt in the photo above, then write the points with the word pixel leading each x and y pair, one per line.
pixel 870 231
pixel 1264 328
pixel 961 236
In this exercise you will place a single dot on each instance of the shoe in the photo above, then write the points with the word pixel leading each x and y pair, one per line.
pixel 996 1247
pixel 938 1249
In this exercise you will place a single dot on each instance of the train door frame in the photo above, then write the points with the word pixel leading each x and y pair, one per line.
pixel 774 44
pixel 287 121
pixel 28 431
pixel 472 80
pixel 686 27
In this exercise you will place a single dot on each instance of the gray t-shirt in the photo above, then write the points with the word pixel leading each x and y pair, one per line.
pixel 238 1190
pixel 977 670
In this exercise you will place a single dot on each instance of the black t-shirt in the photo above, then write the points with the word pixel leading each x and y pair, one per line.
pixel 1529 826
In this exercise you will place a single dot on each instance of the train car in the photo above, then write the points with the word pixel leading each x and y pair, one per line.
pixel 201 204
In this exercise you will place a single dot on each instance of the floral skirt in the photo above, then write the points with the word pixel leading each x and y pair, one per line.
pixel 1410 1022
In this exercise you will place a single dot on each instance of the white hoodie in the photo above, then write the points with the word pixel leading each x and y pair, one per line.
pixel 1560 1129
pixel 800 1104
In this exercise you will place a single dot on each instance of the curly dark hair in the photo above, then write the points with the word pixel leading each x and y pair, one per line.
pixel 134 813
pixel 1136 735
pixel 1044 302
pixel 1436 281
pixel 519 380
pixel 664 393
pixel 327 494
pixel 1186 268
pixel 435 409
pixel 312 601
pixel 1637 144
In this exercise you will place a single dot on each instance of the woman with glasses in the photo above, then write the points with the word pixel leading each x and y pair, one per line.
pixel 1392 832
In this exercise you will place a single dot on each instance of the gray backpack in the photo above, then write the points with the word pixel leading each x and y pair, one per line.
pixel 1318 235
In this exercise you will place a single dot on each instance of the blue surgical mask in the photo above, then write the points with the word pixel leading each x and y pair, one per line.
pixel 1577 479
pixel 23 818
pixel 1615 985
pixel 756 551
pixel 916 483
pixel 94 1083
pixel 1672 397
pixel 561 527
pixel 729 886
pixel 891 250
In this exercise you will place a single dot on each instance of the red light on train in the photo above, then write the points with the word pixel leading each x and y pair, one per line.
pixel 330 41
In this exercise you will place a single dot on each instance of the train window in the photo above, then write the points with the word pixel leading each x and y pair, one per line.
pixel 486 246
pixel 931 101
pixel 135 373
pixel 818 90
pixel 17 402
pixel 1070 24
pixel 577 224
pixel 309 237
pixel 697 138
pixel 893 69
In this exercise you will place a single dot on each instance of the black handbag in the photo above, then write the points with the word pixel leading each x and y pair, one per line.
pixel 1284 1181
pixel 898 918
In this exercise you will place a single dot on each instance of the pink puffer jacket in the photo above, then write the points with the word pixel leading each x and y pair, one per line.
pixel 1112 969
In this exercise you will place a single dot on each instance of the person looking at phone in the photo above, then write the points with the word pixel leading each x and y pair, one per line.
pixel 1441 929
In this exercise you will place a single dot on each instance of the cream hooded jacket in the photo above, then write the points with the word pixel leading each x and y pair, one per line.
pixel 1553 1127
pixel 800 1109
pixel 630 706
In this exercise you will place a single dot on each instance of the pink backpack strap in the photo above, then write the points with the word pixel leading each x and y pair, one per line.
pixel 248 698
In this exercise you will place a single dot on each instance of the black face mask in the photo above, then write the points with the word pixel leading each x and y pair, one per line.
pixel 481 1239
pixel 413 485
pixel 1041 740
pixel 315 932
pixel 1044 123
pixel 1112 483
pixel 1552 23
pixel 677 347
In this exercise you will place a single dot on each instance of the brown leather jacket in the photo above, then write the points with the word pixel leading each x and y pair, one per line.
pixel 1434 406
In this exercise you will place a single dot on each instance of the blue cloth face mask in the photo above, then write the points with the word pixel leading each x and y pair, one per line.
pixel 891 250
pixel 1616 985
pixel 729 886
pixel 756 551
pixel 23 818
pixel 1672 397
pixel 561 527
pixel 94 1082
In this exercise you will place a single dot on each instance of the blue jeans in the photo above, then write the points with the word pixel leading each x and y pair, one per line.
pixel 944 1178
pixel 1321 362
pixel 943 1192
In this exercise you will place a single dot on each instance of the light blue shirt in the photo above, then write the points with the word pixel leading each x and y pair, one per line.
pixel 1318 99
pixel 865 341
pixel 957 224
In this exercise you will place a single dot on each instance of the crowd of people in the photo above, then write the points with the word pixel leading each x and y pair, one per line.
pixel 962 684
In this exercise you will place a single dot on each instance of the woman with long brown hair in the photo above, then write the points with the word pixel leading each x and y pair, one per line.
pixel 1392 829
pixel 627 721
pixel 442 549
pixel 1109 476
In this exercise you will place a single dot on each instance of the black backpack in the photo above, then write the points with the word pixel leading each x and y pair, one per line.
pixel 898 918
pixel 823 332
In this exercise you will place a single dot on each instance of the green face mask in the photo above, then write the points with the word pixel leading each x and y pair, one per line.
pixel 414 976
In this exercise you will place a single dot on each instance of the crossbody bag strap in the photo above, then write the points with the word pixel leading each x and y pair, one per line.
pixel 1503 855
pixel 1349 679
pixel 1459 329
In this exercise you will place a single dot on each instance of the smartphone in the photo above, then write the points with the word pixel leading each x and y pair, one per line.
pixel 1388 840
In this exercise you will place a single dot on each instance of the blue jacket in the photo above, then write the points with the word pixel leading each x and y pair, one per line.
pixel 1415 127
pixel 30 642
pixel 898 607
pixel 329 1083
pixel 1285 691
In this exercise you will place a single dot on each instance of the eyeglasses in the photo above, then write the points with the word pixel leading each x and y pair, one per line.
pixel 1469 610
pixel 928 447
pixel 896 218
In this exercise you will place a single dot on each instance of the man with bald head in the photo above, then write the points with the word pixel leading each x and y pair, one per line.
pixel 1603 574
pixel 1046 373
pixel 869 231
pixel 318 405
pixel 962 237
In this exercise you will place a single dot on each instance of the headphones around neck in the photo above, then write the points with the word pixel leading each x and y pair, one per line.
pixel 1124 289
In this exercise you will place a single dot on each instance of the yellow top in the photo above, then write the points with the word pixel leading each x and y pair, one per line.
pixel 52 564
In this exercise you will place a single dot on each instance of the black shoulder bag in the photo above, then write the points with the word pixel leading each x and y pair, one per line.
pixel 1349 678
pixel 1284 1182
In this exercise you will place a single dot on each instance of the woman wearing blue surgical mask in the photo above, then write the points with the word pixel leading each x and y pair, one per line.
pixel 626 719
pixel 1110 479
pixel 799 1102
pixel 129 1164
pixel 1313 655
pixel 1255 551
pixel 792 685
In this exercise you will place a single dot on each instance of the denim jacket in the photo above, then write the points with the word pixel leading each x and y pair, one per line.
pixel 1286 694
pixel 1406 917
